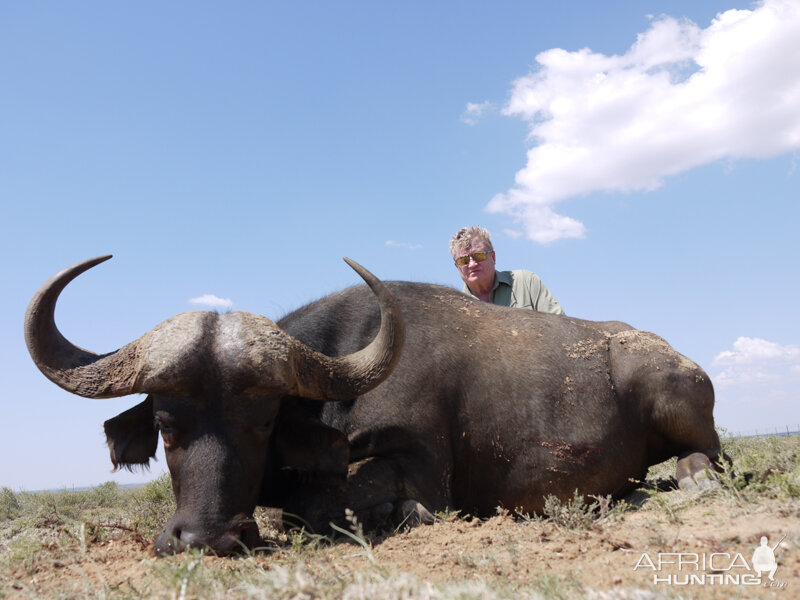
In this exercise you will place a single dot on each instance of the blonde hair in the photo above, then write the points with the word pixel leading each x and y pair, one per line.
pixel 463 238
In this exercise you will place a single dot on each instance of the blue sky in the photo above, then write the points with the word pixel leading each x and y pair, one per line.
pixel 640 157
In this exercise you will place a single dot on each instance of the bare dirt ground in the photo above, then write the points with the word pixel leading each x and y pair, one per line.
pixel 459 557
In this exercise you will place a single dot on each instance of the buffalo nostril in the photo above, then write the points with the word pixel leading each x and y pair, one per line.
pixel 230 542
pixel 189 539
pixel 240 535
pixel 168 542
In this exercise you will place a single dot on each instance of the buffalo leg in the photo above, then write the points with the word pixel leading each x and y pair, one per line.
pixel 380 496
pixel 674 398
pixel 412 513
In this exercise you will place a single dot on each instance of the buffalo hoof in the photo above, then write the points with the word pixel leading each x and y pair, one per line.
pixel 412 513
pixel 698 483
pixel 696 473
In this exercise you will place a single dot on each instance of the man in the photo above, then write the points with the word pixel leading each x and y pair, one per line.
pixel 473 254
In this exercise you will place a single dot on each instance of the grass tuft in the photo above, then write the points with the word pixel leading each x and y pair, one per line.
pixel 577 513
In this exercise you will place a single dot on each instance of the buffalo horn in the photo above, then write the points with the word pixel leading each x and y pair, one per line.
pixel 68 366
pixel 312 375
pixel 325 378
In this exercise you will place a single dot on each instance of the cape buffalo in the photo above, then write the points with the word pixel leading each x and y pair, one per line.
pixel 485 406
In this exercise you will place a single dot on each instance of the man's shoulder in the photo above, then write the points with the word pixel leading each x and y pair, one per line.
pixel 522 275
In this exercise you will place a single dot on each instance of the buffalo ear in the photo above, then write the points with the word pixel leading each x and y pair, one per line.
pixel 305 445
pixel 132 438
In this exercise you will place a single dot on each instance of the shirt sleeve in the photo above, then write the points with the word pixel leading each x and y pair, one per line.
pixel 541 298
pixel 546 302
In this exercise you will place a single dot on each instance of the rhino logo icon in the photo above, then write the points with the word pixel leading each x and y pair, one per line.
pixel 764 558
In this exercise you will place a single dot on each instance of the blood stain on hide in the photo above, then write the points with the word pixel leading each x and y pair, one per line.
pixel 571 453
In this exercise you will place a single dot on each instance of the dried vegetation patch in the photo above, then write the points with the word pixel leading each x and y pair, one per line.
pixel 95 544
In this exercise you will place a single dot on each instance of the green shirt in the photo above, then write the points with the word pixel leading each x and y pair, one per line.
pixel 522 289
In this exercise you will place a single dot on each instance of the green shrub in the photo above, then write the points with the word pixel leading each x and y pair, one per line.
pixel 762 466
pixel 106 494
pixel 158 491
pixel 155 504
pixel 9 504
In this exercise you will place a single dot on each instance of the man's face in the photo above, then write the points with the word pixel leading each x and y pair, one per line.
pixel 477 275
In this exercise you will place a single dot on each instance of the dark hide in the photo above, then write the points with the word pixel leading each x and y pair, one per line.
pixel 487 406
pixel 307 447
pixel 307 468
pixel 493 406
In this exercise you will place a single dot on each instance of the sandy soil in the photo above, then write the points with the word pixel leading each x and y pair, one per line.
pixel 599 562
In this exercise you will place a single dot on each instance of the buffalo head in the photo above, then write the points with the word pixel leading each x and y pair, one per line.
pixel 215 385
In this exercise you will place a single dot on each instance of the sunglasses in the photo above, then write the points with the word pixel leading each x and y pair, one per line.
pixel 479 256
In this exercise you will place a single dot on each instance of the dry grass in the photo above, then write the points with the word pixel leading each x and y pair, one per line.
pixel 94 544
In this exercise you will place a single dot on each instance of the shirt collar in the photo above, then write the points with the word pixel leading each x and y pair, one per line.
pixel 499 277
pixel 502 277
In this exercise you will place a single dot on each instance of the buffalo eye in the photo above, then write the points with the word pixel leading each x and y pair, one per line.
pixel 167 428
pixel 261 430
pixel 163 424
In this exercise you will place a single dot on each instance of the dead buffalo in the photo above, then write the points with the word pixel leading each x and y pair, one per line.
pixel 485 406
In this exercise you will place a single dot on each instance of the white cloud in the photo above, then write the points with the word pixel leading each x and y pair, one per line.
pixel 213 301
pixel 753 360
pixel 406 245
pixel 752 350
pixel 680 97
pixel 473 113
